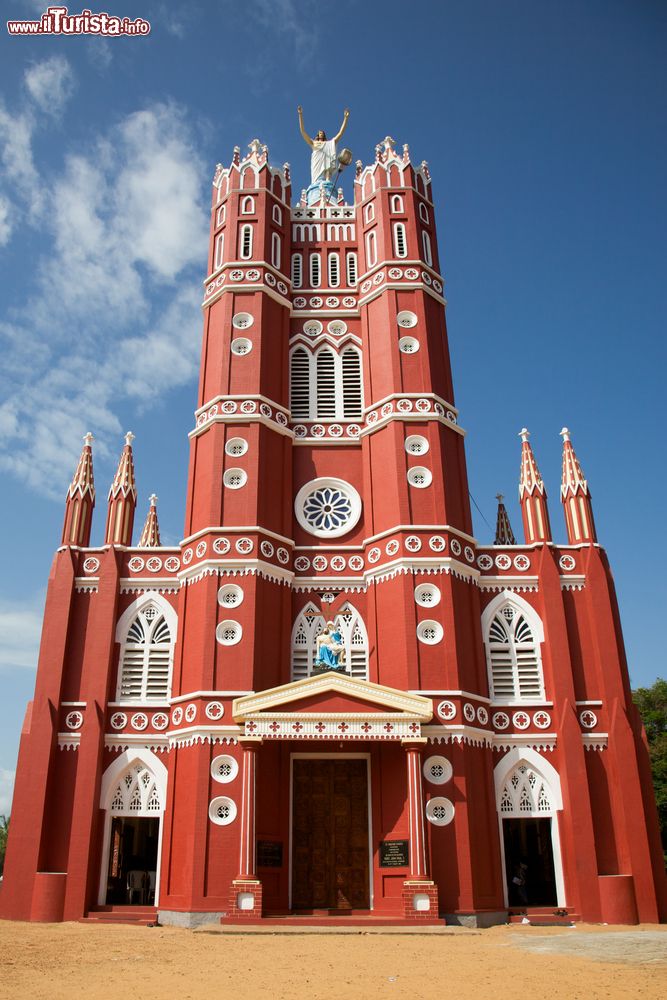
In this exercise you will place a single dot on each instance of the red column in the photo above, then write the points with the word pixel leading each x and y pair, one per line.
pixel 249 745
pixel 418 849
pixel 245 900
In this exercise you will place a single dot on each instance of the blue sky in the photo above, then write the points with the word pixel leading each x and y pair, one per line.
pixel 545 129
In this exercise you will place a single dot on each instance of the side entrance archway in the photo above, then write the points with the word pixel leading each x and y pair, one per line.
pixel 133 797
pixel 528 799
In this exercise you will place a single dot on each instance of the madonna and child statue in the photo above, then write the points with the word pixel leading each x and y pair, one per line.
pixel 324 161
pixel 328 649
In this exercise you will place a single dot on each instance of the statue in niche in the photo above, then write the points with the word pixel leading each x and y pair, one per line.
pixel 323 161
pixel 328 648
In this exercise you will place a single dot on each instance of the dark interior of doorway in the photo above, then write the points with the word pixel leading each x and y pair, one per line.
pixel 132 861
pixel 529 862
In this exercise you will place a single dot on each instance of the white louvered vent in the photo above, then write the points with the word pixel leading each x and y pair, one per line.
pixel 334 270
pixel 300 384
pixel 514 658
pixel 351 383
pixel 326 385
pixel 297 270
pixel 145 661
pixel 351 269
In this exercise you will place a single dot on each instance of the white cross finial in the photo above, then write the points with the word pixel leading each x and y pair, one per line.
pixel 500 497
pixel 88 439
pixel 153 499
pixel 524 433
pixel 129 438
pixel 565 434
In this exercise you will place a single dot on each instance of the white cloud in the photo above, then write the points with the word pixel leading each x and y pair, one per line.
pixel 6 790
pixel 20 632
pixel 5 222
pixel 20 176
pixel 50 84
pixel 111 318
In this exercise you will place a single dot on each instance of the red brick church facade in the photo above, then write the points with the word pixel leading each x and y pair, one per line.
pixel 474 749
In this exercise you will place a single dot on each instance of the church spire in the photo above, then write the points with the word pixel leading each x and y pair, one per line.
pixel 504 533
pixel 532 495
pixel 150 536
pixel 80 499
pixel 122 499
pixel 575 496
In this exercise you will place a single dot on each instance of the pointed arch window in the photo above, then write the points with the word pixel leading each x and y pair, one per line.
pixel 275 250
pixel 245 248
pixel 513 656
pixel 219 251
pixel 310 623
pixel 351 269
pixel 315 270
pixel 525 793
pixel 248 206
pixel 334 270
pixel 397 204
pixel 371 249
pixel 297 270
pixel 326 385
pixel 426 243
pixel 146 656
pixel 400 242
pixel 277 215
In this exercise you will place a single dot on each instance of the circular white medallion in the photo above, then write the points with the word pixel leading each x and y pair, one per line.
pixel 429 632
pixel 439 811
pixel 327 508
pixel 437 770
pixel 222 811
pixel 224 768
pixel 228 633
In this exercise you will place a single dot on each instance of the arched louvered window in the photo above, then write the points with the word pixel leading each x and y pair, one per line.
pixel 315 270
pixel 144 672
pixel 300 384
pixel 371 249
pixel 326 385
pixel 325 366
pixel 513 654
pixel 351 363
pixel 310 623
pixel 334 270
pixel 245 243
pixel 351 269
pixel 297 270
pixel 275 250
pixel 400 242
pixel 426 242
pixel 219 251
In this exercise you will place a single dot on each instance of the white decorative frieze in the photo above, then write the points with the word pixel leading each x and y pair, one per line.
pixel 303 726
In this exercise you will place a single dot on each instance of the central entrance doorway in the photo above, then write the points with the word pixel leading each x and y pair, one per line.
pixel 330 834
pixel 132 861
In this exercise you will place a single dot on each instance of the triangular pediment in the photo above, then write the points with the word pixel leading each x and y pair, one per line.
pixel 352 696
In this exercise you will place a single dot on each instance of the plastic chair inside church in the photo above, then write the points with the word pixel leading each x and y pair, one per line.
pixel 136 882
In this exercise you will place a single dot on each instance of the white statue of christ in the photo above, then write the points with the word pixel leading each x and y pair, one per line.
pixel 323 156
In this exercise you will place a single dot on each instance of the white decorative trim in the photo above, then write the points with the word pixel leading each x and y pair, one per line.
pixel 533 741
pixel 235 567
pixel 156 742
pixel 160 585
pixel 595 741
pixel 69 741
pixel 455 733
pixel 513 583
pixel 572 582
pixel 86 584
pixel 332 725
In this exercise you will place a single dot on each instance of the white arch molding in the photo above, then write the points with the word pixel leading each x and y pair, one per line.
pixel 110 779
pixel 549 775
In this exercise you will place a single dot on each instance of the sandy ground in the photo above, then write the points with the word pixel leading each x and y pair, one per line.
pixel 54 961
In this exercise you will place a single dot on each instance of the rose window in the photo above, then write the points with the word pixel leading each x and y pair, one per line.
pixel 328 507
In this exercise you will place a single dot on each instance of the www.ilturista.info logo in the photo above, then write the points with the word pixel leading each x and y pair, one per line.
pixel 58 21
